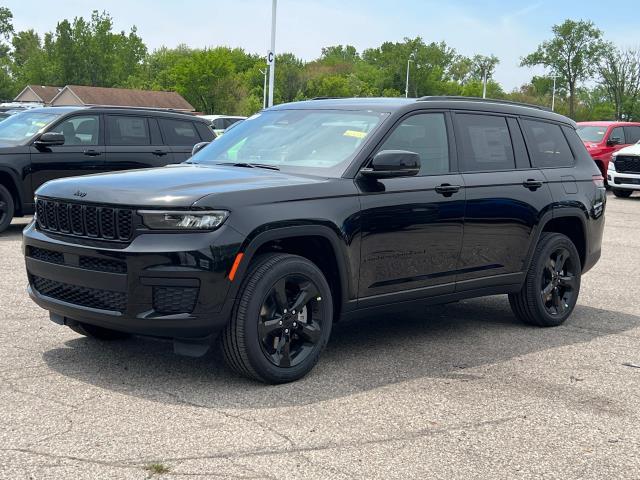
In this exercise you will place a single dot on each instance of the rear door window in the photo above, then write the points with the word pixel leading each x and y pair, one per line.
pixel 127 130
pixel 485 141
pixel 632 134
pixel 179 132
pixel 547 144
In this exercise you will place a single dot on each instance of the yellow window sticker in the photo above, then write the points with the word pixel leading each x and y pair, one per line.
pixel 354 133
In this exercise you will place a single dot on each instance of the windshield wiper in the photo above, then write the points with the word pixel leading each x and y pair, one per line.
pixel 250 165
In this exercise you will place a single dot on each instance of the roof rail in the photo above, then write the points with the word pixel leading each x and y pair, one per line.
pixel 458 98
pixel 326 98
pixel 153 109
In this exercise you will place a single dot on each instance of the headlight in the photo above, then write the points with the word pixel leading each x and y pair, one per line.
pixel 183 220
pixel 612 164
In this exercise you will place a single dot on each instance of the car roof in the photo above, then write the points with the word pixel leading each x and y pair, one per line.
pixel 107 109
pixel 606 123
pixel 391 105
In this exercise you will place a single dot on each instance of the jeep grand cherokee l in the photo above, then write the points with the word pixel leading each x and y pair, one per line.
pixel 312 212
pixel 41 144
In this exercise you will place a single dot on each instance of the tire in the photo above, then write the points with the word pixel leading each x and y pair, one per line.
pixel 7 208
pixel 622 193
pixel 266 339
pixel 98 333
pixel 547 298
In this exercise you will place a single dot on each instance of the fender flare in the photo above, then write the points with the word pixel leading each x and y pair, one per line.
pixel 255 240
pixel 556 212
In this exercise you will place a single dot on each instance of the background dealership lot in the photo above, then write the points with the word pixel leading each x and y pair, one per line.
pixel 455 391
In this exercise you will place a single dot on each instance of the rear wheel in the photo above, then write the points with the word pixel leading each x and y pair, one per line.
pixel 281 321
pixel 551 288
pixel 622 193
pixel 7 208
pixel 99 333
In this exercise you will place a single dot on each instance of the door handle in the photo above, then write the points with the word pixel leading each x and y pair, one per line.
pixel 447 190
pixel 92 153
pixel 532 184
pixel 159 152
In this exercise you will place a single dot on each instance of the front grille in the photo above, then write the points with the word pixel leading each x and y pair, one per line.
pixel 46 255
pixel 103 223
pixel 627 164
pixel 174 299
pixel 103 265
pixel 83 296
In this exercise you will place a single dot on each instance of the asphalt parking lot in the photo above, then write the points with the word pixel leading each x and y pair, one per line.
pixel 455 391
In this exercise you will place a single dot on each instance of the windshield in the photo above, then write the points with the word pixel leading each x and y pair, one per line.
pixel 590 133
pixel 320 142
pixel 18 129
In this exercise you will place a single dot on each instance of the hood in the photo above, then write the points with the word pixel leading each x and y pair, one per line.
pixel 630 150
pixel 172 186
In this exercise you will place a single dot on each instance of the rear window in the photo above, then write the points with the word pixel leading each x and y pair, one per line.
pixel 547 144
pixel 486 143
pixel 179 132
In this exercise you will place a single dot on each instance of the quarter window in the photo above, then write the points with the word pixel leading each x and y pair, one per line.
pixel 80 130
pixel 426 135
pixel 547 144
pixel 486 143
pixel 127 130
pixel 179 132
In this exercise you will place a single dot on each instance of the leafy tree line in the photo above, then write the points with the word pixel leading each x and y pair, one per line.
pixel 594 79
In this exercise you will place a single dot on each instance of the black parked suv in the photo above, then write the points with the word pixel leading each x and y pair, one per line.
pixel 42 144
pixel 311 212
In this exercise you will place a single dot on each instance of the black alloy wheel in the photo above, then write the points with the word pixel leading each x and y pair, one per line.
pixel 558 282
pixel 7 207
pixel 291 321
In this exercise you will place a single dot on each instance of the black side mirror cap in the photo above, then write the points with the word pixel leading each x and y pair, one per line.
pixel 50 139
pixel 393 163
pixel 198 146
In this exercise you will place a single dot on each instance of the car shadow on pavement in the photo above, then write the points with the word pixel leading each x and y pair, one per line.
pixel 441 341
pixel 13 232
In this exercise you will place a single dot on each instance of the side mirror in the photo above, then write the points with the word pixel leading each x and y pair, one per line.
pixel 614 141
pixel 50 139
pixel 198 146
pixel 393 163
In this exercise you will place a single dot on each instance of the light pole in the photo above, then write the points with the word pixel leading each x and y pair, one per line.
pixel 484 84
pixel 553 93
pixel 264 88
pixel 272 53
pixel 406 88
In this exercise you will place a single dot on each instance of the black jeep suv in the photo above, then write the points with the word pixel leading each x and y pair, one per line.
pixel 322 210
pixel 41 144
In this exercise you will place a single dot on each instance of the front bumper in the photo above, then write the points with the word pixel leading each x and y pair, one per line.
pixel 165 285
pixel 623 181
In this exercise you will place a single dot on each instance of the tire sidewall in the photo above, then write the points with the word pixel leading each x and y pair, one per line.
pixel 257 358
pixel 5 196
pixel 557 241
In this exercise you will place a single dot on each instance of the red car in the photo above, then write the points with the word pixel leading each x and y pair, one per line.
pixel 604 138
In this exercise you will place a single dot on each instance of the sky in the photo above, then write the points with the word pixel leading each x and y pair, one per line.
pixel 507 29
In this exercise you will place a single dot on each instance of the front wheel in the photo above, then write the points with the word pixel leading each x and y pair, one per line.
pixel 281 321
pixel 622 193
pixel 7 208
pixel 552 284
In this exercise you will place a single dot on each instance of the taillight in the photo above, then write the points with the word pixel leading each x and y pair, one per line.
pixel 598 180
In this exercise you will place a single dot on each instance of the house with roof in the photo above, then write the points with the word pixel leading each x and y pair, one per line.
pixel 120 97
pixel 38 94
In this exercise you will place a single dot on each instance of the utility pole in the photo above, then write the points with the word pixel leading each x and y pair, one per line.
pixel 406 88
pixel 264 87
pixel 553 93
pixel 271 58
pixel 484 84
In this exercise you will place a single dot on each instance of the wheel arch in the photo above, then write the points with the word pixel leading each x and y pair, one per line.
pixel 323 247
pixel 8 179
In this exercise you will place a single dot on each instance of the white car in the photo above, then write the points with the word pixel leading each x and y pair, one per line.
pixel 623 175
pixel 221 122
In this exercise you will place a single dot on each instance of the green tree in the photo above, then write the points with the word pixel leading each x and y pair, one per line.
pixel 573 53
pixel 620 77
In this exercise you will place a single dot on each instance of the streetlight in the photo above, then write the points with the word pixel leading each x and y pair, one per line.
pixel 264 88
pixel 484 84
pixel 406 88
pixel 271 58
